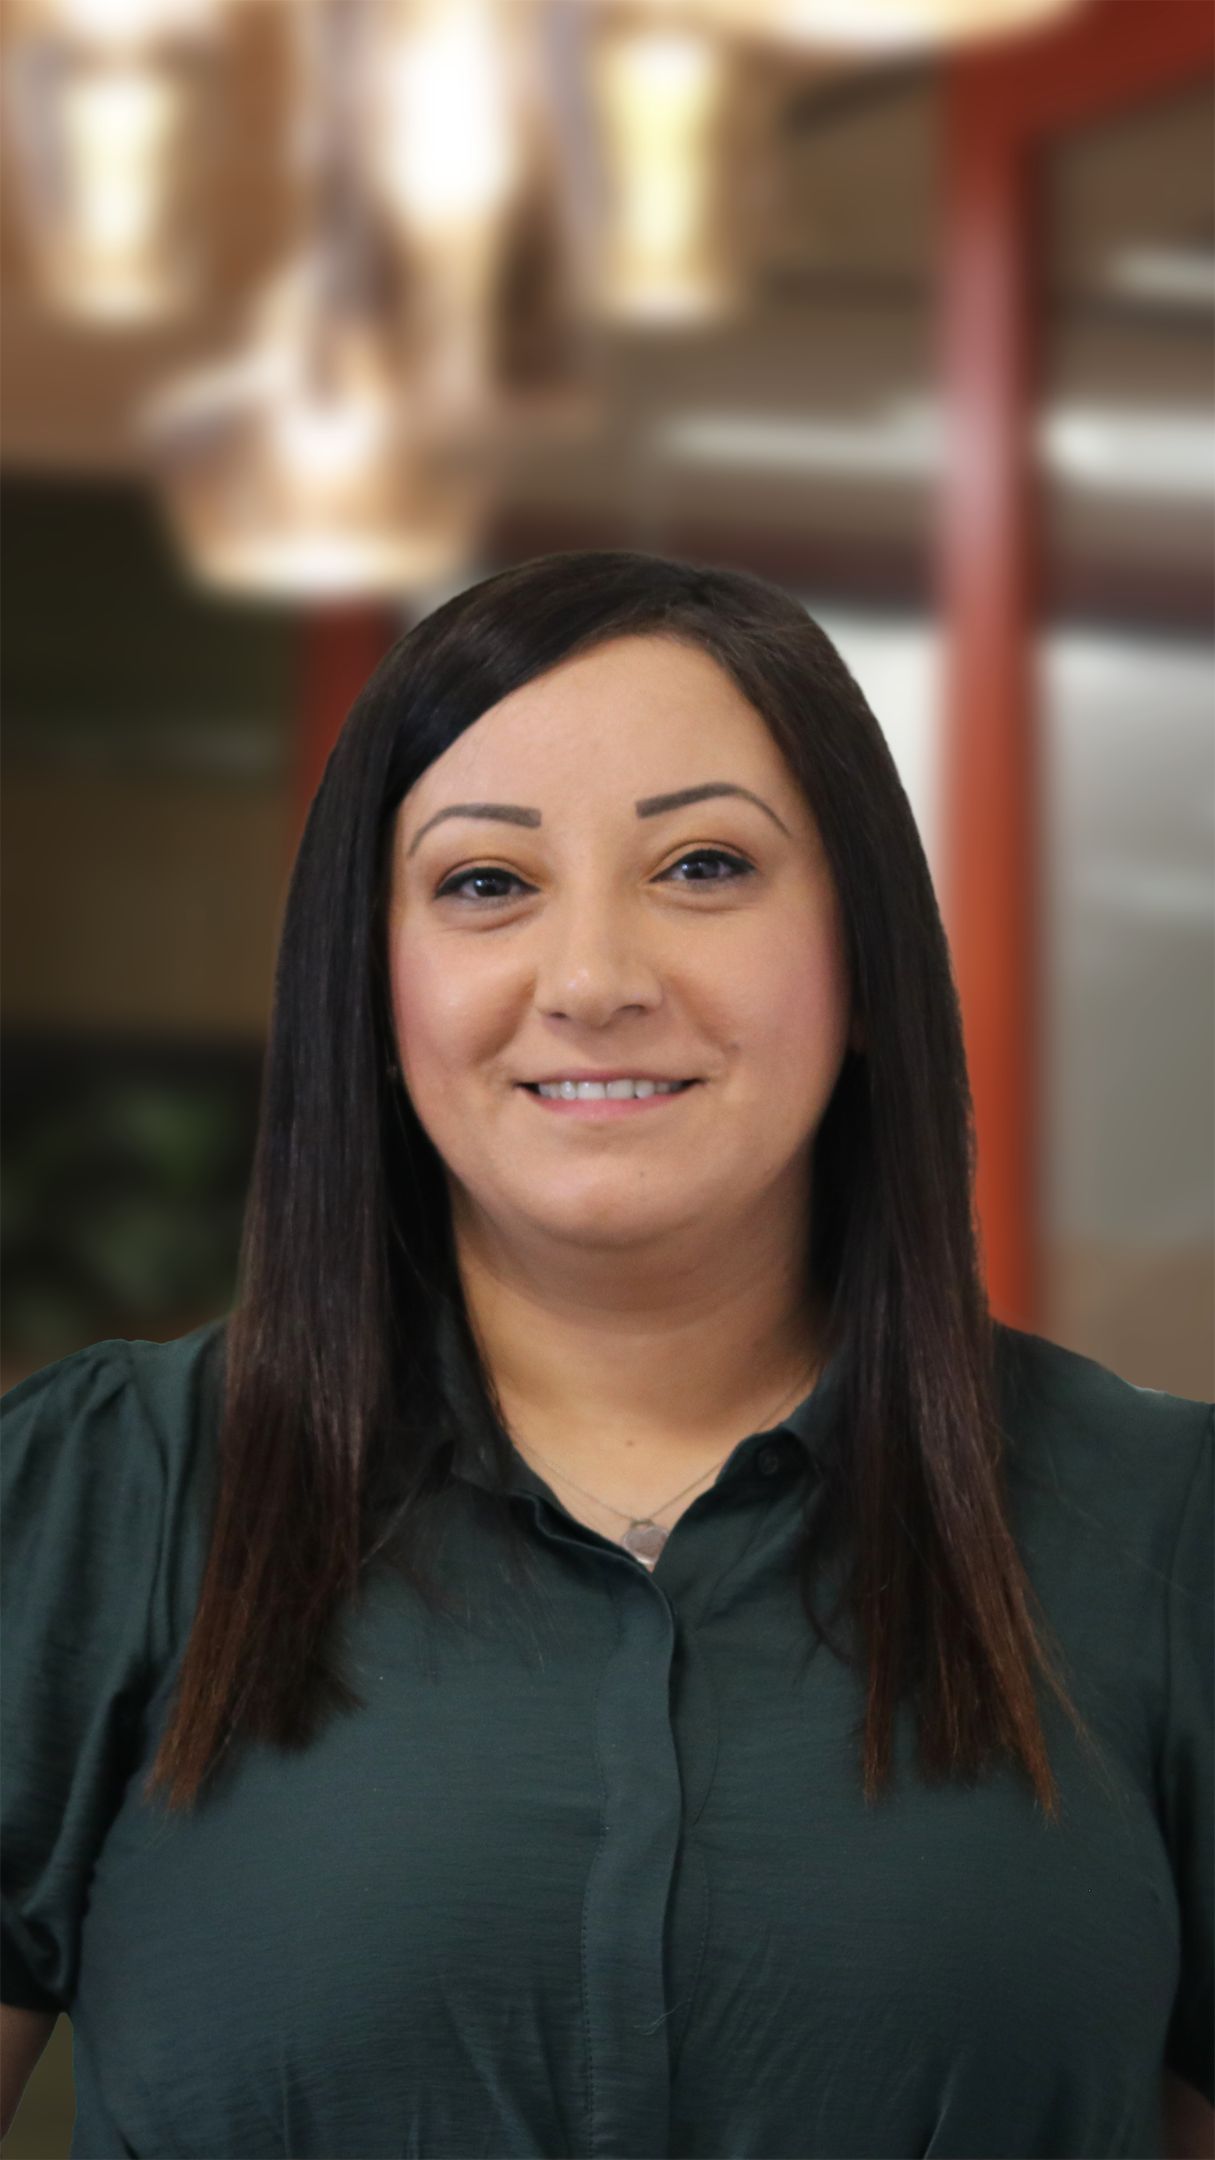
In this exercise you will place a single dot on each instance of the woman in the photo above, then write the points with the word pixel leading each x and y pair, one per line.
pixel 425 1733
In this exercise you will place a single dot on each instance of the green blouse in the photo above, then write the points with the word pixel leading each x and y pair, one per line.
pixel 595 1876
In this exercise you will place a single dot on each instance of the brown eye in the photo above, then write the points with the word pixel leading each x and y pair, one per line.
pixel 451 886
pixel 736 865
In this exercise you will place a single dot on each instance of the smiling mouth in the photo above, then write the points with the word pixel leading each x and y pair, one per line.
pixel 533 1088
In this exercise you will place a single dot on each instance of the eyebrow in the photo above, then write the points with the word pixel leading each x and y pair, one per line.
pixel 649 806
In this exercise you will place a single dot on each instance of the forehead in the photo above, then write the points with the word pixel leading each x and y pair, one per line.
pixel 650 707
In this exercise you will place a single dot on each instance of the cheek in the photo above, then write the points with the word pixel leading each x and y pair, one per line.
pixel 795 1002
pixel 444 1017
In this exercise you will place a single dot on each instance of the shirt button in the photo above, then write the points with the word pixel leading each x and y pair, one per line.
pixel 770 1459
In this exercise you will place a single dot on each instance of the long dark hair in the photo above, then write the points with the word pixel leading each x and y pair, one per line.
pixel 336 1424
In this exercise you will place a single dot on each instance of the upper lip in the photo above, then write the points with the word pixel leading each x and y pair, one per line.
pixel 622 1072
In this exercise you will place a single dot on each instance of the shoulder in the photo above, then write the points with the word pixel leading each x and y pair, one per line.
pixel 1045 1379
pixel 1117 1458
pixel 165 1387
pixel 106 1461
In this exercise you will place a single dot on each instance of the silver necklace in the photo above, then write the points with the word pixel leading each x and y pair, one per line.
pixel 644 1537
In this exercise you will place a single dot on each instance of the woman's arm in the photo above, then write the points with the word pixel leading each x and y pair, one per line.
pixel 1189 2122
pixel 23 2035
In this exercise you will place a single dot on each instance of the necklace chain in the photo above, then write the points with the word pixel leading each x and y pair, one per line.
pixel 656 1536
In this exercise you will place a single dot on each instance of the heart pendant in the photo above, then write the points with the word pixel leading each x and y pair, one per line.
pixel 645 1541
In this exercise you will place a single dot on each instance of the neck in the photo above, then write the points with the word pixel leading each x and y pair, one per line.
pixel 639 1383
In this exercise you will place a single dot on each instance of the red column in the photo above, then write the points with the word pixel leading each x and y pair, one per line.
pixel 1006 110
pixel 338 648
pixel 988 575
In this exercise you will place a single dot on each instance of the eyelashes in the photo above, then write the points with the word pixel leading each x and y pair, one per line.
pixel 450 888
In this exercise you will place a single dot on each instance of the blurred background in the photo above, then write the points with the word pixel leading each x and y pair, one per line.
pixel 317 311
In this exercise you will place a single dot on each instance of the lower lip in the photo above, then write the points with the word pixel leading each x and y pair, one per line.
pixel 603 1109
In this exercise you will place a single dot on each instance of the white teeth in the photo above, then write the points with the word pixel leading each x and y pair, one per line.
pixel 614 1090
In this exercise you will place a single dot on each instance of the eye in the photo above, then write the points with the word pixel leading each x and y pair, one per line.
pixel 734 863
pixel 450 888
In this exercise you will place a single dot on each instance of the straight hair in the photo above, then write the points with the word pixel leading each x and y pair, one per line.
pixel 336 1425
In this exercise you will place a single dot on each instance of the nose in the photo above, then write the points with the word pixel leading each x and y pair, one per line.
pixel 592 962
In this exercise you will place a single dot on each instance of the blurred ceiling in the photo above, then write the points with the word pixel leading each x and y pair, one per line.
pixel 837 208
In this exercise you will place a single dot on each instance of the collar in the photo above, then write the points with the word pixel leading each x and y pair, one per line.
pixel 810 1421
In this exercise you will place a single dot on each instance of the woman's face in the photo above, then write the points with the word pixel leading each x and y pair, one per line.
pixel 588 940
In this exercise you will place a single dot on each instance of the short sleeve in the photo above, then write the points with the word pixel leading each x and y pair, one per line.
pixel 1186 1770
pixel 82 1484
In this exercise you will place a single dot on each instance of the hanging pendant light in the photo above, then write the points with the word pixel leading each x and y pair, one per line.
pixel 442 150
pixel 323 459
pixel 107 104
pixel 892 24
pixel 659 92
pixel 859 25
pixel 462 148
pixel 445 116
pixel 297 469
